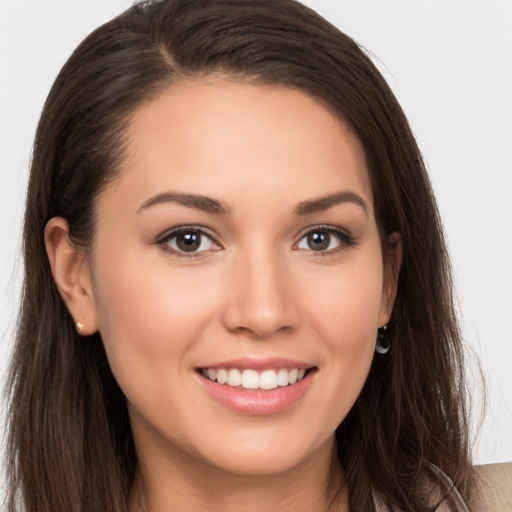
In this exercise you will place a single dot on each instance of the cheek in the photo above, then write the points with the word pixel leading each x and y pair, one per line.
pixel 345 304
pixel 151 315
pixel 343 315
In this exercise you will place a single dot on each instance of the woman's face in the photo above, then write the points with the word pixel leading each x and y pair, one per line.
pixel 238 242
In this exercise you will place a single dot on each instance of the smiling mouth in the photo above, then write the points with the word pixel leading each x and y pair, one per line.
pixel 253 379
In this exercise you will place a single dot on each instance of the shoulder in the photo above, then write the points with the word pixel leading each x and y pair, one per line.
pixel 494 491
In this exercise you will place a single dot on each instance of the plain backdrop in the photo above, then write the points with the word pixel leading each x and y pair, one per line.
pixel 450 64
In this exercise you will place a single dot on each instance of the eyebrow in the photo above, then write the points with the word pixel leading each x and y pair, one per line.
pixel 206 204
pixel 324 203
pixel 209 205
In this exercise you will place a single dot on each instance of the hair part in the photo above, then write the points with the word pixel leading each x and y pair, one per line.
pixel 69 440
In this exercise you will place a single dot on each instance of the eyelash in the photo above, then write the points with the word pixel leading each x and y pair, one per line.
pixel 346 240
pixel 169 235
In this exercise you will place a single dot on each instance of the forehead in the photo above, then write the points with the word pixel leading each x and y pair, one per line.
pixel 218 137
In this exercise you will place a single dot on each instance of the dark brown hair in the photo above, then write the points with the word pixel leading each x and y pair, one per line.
pixel 69 441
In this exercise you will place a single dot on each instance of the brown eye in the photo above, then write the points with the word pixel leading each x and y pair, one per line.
pixel 189 241
pixel 326 240
pixel 318 241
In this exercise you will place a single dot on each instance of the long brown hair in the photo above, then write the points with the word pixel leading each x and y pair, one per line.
pixel 69 441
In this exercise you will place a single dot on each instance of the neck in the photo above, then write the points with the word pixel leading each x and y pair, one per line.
pixel 316 485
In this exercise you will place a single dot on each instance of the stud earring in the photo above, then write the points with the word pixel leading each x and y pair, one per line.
pixel 79 327
pixel 382 345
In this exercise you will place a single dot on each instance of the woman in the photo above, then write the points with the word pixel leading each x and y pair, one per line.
pixel 237 293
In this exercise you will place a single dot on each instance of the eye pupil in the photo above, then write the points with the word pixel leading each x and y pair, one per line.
pixel 319 240
pixel 188 242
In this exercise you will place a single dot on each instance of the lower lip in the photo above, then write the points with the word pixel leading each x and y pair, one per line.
pixel 255 401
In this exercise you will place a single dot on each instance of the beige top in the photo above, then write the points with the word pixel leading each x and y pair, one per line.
pixel 494 493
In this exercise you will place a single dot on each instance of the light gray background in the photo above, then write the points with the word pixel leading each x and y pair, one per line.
pixel 450 64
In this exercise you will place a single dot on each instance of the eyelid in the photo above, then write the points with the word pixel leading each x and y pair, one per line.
pixel 164 238
pixel 346 239
pixel 183 229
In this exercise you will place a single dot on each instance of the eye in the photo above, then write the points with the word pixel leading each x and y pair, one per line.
pixel 188 240
pixel 324 239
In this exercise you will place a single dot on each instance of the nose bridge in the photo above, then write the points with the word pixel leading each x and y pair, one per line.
pixel 259 297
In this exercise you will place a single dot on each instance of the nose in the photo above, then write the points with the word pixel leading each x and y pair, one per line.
pixel 260 299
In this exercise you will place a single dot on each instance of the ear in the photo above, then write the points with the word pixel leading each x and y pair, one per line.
pixel 392 264
pixel 71 273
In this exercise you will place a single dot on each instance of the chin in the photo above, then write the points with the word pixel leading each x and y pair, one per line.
pixel 265 456
pixel 263 464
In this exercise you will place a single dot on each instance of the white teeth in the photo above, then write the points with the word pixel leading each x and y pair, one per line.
pixel 234 377
pixel 252 379
pixel 268 379
pixel 282 377
pixel 222 376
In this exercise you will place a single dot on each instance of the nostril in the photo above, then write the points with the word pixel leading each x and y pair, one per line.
pixel 259 305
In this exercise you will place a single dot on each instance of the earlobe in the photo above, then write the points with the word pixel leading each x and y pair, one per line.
pixel 392 265
pixel 71 273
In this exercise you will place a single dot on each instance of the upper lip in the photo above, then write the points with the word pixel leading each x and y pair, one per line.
pixel 259 364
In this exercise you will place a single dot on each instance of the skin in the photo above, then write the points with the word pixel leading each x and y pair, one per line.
pixel 257 290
